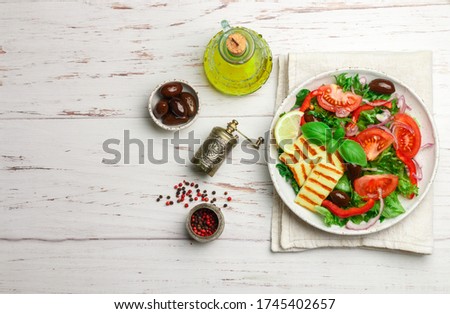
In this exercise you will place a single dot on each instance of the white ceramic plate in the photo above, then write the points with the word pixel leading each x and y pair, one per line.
pixel 427 158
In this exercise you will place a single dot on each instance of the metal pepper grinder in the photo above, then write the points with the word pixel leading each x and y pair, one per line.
pixel 214 150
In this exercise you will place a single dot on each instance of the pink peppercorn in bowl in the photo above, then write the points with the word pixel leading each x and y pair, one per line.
pixel 205 222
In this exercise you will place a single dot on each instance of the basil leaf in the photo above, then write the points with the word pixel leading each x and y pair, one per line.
pixel 316 132
pixel 339 133
pixel 301 95
pixel 352 152
pixel 332 145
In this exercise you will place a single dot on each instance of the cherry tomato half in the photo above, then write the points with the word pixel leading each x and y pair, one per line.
pixel 368 185
pixel 333 98
pixel 408 142
pixel 374 141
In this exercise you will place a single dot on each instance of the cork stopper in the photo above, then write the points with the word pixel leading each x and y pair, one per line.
pixel 236 44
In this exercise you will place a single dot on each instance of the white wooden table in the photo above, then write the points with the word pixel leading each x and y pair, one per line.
pixel 75 73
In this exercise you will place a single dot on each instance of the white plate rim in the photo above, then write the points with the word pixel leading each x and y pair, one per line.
pixel 378 227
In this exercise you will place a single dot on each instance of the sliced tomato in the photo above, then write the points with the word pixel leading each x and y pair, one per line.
pixel 333 98
pixel 407 133
pixel 368 186
pixel 374 141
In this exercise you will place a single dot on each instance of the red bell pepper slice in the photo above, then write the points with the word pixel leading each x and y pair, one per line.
pixel 412 170
pixel 353 211
pixel 307 100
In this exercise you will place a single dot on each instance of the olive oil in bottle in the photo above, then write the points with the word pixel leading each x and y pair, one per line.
pixel 237 60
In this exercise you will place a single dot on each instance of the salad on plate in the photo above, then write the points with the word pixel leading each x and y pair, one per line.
pixel 348 151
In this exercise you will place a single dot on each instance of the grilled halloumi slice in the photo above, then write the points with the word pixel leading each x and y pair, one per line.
pixel 308 152
pixel 306 157
pixel 300 168
pixel 320 183
pixel 304 160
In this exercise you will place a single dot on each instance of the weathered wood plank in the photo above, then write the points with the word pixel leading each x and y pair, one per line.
pixel 220 267
pixel 77 59
pixel 55 185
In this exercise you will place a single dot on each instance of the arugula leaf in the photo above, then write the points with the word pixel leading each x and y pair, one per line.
pixel 327 117
pixel 328 218
pixel 352 152
pixel 286 173
pixel 368 117
pixel 300 97
pixel 405 187
pixel 392 206
pixel 388 162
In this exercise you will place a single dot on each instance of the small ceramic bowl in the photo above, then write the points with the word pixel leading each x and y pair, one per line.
pixel 195 221
pixel 156 96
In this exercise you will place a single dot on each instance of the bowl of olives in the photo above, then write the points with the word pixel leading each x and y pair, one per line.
pixel 174 105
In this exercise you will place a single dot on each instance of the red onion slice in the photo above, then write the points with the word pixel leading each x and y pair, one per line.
pixel 363 80
pixel 382 117
pixel 369 169
pixel 351 130
pixel 418 175
pixel 396 124
pixel 427 145
pixel 402 104
pixel 352 226
pixel 342 113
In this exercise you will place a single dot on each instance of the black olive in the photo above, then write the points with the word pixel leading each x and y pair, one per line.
pixel 161 108
pixel 191 104
pixel 340 198
pixel 309 117
pixel 178 107
pixel 382 86
pixel 171 89
pixel 353 171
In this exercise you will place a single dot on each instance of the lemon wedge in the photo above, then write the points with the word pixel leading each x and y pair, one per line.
pixel 287 130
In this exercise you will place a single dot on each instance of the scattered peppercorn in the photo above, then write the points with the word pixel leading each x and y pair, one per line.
pixel 225 205
pixel 192 195
pixel 186 205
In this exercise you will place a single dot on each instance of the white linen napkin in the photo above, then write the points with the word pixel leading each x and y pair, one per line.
pixel 415 232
